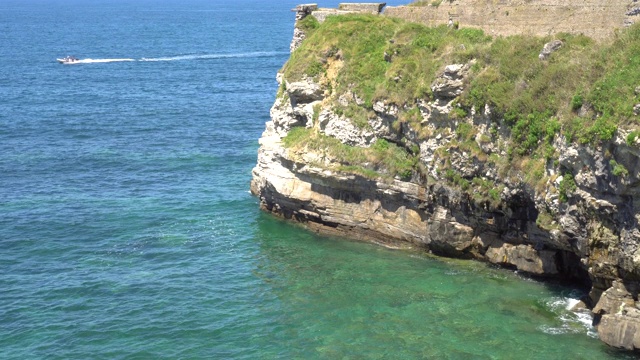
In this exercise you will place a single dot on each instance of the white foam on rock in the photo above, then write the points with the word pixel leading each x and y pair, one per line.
pixel 572 321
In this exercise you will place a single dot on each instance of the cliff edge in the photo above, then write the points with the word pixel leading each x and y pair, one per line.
pixel 520 151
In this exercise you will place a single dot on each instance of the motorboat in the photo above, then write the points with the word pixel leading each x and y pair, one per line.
pixel 69 60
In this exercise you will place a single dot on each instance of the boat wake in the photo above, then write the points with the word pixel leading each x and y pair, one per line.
pixel 217 56
pixel 186 57
pixel 95 61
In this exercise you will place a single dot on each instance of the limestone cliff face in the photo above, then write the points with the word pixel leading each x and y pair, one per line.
pixel 588 233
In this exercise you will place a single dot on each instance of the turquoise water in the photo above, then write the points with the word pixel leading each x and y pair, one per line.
pixel 127 230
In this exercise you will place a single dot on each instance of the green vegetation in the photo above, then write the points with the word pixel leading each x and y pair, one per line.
pixel 586 131
pixel 458 113
pixel 482 190
pixel 507 73
pixel 545 221
pixel 417 54
pixel 529 131
pixel 316 112
pixel 584 91
pixel 382 159
pixel 308 24
pixel 465 131
pixel 314 68
pixel 295 137
pixel 528 91
pixel 567 187
pixel 282 91
pixel 576 102
pixel 486 191
pixel 533 168
pixel 618 169
pixel 457 179
pixel 633 137
pixel 359 116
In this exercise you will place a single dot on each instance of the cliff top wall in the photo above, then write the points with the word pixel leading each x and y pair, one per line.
pixel 597 19
pixel 362 7
pixel 343 8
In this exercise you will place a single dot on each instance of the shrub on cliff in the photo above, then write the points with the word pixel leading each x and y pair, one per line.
pixel 567 187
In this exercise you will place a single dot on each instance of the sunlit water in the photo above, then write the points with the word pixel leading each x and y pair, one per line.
pixel 127 229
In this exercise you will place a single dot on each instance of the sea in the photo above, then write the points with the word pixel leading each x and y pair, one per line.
pixel 127 230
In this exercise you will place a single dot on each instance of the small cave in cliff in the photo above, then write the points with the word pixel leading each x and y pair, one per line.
pixel 571 269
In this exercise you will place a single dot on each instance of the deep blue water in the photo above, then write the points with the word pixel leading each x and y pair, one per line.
pixel 127 229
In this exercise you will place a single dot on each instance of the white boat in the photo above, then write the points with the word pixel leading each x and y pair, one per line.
pixel 68 60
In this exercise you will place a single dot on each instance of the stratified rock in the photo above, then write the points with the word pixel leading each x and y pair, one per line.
pixel 619 323
pixel 283 117
pixel 525 258
pixel 304 91
pixel 451 82
pixel 621 330
pixel 344 130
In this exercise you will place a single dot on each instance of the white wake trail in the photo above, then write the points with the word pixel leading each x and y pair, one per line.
pixel 216 56
pixel 93 61
pixel 187 57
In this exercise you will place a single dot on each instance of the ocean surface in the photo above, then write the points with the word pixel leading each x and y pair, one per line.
pixel 127 230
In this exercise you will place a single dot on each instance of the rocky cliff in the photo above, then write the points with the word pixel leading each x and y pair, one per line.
pixel 439 164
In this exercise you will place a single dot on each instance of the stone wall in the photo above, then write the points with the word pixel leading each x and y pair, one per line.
pixel 374 8
pixel 598 19
pixel 343 8
pixel 304 10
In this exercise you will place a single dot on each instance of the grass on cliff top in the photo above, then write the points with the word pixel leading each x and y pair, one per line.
pixel 417 53
pixel 382 159
pixel 585 90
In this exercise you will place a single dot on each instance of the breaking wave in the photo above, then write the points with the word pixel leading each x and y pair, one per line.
pixel 572 320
